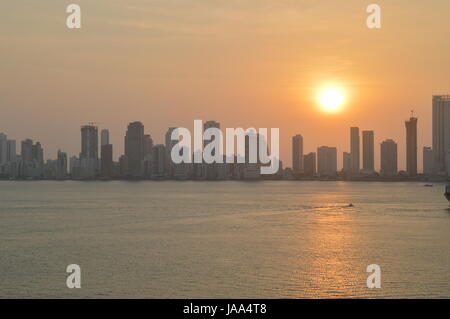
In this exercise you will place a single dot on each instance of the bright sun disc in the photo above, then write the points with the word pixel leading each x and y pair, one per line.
pixel 331 99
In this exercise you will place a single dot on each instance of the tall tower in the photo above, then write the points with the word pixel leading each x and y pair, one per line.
pixel 368 151
pixel 134 148
pixel 327 161
pixel 297 153
pixel 428 160
pixel 3 149
pixel 354 149
pixel 89 143
pixel 346 162
pixel 104 137
pixel 27 151
pixel 411 146
pixel 309 163
pixel 388 158
pixel 441 131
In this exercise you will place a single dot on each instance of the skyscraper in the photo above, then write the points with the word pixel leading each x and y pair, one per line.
pixel 346 162
pixel 411 146
pixel 38 153
pixel 158 161
pixel 327 161
pixel 104 137
pixel 134 149
pixel 11 154
pixel 368 152
pixel 3 149
pixel 297 153
pixel 354 149
pixel 61 165
pixel 148 145
pixel 441 132
pixel 106 156
pixel 309 163
pixel 428 160
pixel 27 151
pixel 89 153
pixel 388 158
pixel 89 143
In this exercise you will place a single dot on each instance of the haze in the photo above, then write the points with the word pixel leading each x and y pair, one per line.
pixel 244 63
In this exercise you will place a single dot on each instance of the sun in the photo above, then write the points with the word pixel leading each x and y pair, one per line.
pixel 331 99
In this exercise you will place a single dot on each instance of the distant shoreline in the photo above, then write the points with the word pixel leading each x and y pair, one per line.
pixel 384 180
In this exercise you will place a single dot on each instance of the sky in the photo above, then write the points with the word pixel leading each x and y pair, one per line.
pixel 244 63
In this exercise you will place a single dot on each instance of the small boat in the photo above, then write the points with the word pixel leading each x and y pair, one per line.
pixel 428 185
pixel 447 192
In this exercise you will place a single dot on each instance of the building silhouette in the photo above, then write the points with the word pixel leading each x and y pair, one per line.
pixel 346 162
pixel 327 161
pixel 411 146
pixel 107 165
pixel 104 139
pixel 428 160
pixel 441 132
pixel 3 148
pixel 354 150
pixel 388 156
pixel 89 143
pixel 368 152
pixel 61 165
pixel 309 164
pixel 134 149
pixel 297 154
pixel 159 161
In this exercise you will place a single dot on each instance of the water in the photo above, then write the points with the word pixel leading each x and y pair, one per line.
pixel 274 239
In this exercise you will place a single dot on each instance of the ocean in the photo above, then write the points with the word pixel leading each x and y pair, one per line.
pixel 230 239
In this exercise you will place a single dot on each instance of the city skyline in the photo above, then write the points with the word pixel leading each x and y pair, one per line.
pixel 360 158
pixel 222 61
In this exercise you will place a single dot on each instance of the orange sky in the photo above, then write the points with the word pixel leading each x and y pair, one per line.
pixel 241 62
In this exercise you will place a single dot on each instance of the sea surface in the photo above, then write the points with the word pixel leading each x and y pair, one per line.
pixel 274 239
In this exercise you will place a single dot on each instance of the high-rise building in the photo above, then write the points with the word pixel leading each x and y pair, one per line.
pixel 134 149
pixel 441 131
pixel 11 153
pixel 89 153
pixel 309 163
pixel 148 145
pixel 354 149
pixel 106 156
pixel 3 149
pixel 158 161
pixel 428 160
pixel 368 152
pixel 346 162
pixel 38 153
pixel 297 153
pixel 89 143
pixel 411 146
pixel 74 164
pixel 27 151
pixel 327 161
pixel 388 158
pixel 104 137
pixel 61 165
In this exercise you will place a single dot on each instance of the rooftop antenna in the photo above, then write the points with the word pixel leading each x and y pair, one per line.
pixel 412 113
